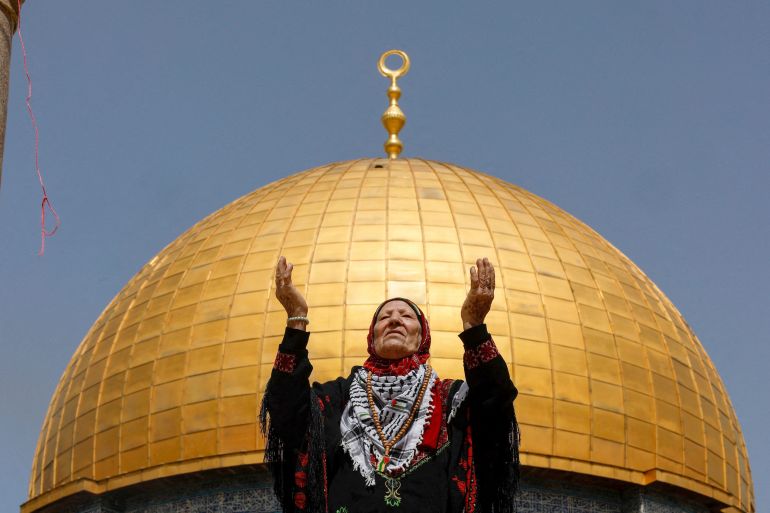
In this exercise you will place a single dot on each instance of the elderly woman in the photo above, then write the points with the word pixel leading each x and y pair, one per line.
pixel 392 436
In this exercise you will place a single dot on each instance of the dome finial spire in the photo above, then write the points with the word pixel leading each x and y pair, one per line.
pixel 393 119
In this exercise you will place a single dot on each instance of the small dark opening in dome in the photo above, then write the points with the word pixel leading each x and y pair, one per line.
pixel 378 166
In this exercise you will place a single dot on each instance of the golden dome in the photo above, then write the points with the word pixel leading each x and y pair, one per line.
pixel 168 380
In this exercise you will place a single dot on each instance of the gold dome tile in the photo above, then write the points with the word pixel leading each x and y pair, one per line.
pixel 613 382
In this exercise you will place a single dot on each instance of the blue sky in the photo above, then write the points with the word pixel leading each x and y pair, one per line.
pixel 648 121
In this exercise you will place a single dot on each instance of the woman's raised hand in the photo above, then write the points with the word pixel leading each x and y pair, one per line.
pixel 288 295
pixel 479 299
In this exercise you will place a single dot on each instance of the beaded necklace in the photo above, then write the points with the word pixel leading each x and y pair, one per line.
pixel 388 444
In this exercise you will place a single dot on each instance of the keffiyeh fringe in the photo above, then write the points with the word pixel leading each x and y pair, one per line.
pixel 457 401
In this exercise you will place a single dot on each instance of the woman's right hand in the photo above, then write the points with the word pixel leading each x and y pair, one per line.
pixel 288 295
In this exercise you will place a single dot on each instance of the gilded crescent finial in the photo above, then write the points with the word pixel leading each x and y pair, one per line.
pixel 393 119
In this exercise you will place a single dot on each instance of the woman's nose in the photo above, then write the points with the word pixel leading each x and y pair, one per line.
pixel 394 320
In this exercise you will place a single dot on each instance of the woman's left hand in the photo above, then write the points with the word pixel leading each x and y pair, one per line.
pixel 479 299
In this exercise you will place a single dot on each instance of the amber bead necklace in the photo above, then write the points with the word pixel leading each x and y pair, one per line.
pixel 388 444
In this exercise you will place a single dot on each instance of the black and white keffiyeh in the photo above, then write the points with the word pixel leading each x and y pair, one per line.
pixel 394 397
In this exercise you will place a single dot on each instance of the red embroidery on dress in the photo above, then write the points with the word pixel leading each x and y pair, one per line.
pixel 465 480
pixel 470 473
pixel 443 436
pixel 326 482
pixel 300 500
pixel 285 362
pixel 460 485
pixel 480 354
pixel 300 480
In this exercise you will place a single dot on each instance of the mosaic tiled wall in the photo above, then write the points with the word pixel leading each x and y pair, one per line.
pixel 252 493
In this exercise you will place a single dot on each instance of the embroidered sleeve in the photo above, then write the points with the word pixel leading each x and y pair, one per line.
pixel 493 426
pixel 479 346
pixel 285 362
pixel 291 351
pixel 482 353
pixel 287 395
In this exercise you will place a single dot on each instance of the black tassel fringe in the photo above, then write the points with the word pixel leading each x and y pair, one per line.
pixel 283 463
pixel 317 485
pixel 274 456
pixel 498 478
pixel 510 473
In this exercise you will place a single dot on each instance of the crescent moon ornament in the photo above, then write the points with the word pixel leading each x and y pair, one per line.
pixel 393 119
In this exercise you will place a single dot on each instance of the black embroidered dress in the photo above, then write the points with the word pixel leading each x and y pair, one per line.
pixel 467 460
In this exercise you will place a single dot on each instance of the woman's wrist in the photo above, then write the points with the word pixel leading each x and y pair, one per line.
pixel 471 323
pixel 298 320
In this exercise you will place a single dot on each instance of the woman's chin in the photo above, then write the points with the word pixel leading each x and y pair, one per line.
pixel 394 351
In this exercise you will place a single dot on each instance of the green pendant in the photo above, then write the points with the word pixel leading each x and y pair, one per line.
pixel 392 498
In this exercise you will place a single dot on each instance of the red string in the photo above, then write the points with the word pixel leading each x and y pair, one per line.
pixel 45 201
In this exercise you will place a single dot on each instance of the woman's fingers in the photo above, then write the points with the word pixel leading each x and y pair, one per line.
pixel 479 299
pixel 483 273
pixel 283 273
pixel 285 291
pixel 483 278
pixel 492 273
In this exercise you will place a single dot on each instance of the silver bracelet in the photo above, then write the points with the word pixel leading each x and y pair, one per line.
pixel 303 319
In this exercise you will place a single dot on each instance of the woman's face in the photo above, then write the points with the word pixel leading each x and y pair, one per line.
pixel 396 331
